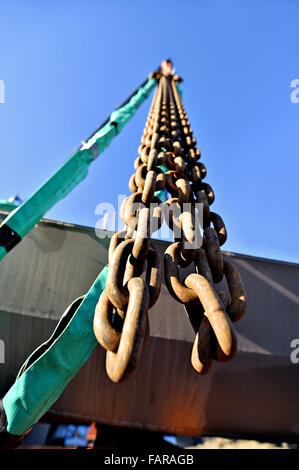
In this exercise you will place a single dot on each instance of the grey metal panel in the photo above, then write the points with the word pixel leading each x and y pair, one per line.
pixel 54 264
pixel 254 394
pixel 21 334
pixel 58 262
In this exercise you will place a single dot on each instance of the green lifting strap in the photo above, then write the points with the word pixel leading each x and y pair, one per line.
pixel 7 206
pixel 162 194
pixel 20 221
pixel 39 386
pixel 179 88
pixel 46 373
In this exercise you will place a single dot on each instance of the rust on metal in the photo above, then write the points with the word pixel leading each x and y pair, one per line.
pixel 121 321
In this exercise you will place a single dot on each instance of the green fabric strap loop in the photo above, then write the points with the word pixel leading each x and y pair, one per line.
pixel 40 385
pixel 75 169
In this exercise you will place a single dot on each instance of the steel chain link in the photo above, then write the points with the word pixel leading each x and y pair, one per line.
pixel 121 322
pixel 133 284
pixel 210 311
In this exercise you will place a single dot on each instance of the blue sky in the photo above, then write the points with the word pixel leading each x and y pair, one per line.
pixel 67 64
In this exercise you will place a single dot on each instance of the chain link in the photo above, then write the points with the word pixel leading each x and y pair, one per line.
pixel 133 285
pixel 209 309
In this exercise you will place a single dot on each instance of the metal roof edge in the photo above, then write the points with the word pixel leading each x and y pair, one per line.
pixel 69 225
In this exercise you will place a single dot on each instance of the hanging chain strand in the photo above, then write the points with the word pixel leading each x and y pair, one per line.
pixel 209 309
pixel 121 322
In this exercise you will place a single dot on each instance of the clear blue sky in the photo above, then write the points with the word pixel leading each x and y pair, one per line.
pixel 67 64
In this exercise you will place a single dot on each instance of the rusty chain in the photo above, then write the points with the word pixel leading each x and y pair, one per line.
pixel 210 310
pixel 121 322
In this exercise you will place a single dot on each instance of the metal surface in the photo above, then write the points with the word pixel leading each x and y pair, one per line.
pixel 254 395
